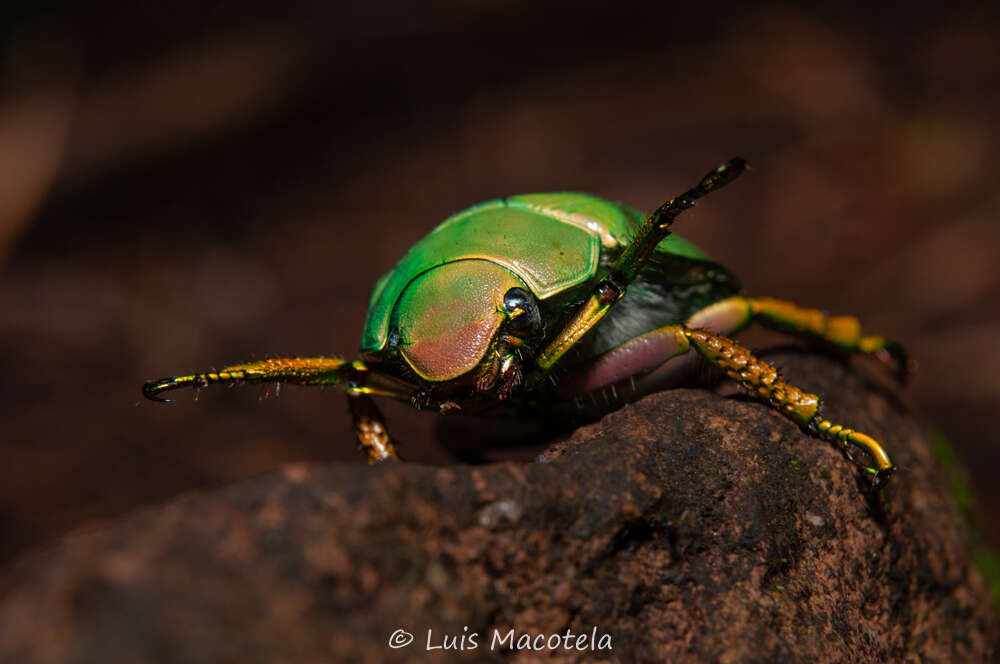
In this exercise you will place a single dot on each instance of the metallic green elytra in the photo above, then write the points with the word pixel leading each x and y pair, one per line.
pixel 552 242
pixel 562 305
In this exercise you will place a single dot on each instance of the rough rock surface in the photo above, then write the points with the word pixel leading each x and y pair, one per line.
pixel 688 526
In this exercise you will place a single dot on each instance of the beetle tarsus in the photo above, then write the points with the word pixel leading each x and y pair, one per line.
pixel 764 382
pixel 153 388
pixel 840 332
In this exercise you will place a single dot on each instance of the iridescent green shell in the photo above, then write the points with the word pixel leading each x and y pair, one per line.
pixel 553 242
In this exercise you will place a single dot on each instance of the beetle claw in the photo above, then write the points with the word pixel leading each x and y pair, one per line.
pixel 151 390
pixel 882 478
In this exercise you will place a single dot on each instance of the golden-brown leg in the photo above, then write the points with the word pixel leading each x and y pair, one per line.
pixel 843 332
pixel 764 382
pixel 369 427
pixel 355 377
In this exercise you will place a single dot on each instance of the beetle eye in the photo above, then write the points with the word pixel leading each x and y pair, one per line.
pixel 522 311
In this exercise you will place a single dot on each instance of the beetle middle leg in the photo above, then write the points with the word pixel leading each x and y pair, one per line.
pixel 842 332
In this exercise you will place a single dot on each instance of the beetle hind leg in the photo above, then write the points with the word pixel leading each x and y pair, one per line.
pixel 841 332
pixel 764 382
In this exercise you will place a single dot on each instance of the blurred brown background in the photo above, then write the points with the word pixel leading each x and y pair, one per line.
pixel 189 184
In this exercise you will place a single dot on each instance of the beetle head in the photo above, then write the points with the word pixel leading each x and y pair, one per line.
pixel 467 321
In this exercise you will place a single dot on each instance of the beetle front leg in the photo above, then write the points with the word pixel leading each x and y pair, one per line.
pixel 298 370
pixel 634 256
pixel 842 332
pixel 764 382
pixel 310 371
pixel 359 381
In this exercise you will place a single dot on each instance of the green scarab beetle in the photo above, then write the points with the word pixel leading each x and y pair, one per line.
pixel 543 302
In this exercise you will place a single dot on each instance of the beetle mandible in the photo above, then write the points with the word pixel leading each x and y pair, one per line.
pixel 482 313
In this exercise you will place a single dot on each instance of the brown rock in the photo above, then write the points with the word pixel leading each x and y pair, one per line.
pixel 688 527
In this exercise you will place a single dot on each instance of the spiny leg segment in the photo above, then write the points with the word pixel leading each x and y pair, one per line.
pixel 760 379
pixel 764 382
pixel 355 377
pixel 370 429
pixel 842 332
pixel 297 370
